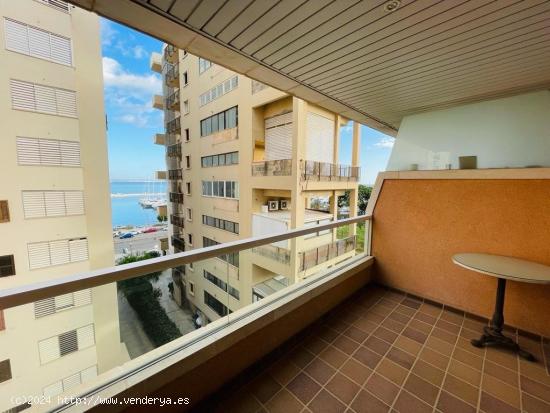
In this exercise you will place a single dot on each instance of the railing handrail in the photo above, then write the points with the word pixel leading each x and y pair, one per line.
pixel 26 294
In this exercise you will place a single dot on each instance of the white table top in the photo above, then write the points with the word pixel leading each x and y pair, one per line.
pixel 504 267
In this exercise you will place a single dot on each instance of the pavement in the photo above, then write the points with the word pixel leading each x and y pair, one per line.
pixel 139 243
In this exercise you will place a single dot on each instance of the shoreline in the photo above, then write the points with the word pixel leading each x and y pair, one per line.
pixel 131 195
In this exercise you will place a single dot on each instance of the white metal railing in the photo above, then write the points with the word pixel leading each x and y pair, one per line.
pixel 11 297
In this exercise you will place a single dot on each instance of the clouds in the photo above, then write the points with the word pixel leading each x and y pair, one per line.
pixel 113 41
pixel 117 77
pixel 385 142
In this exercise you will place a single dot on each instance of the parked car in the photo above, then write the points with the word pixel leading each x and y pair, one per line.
pixel 116 234
pixel 149 230
pixel 126 235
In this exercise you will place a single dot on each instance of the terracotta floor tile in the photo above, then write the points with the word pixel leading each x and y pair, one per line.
pixel 394 296
pixel 240 402
pixel 455 317
pixel 366 356
pixel 474 325
pixel 264 387
pixel 301 357
pixel 422 389
pixel 365 325
pixel 408 345
pixel 420 325
pixel 444 335
pixel 356 371
pixel 533 405
pixel 468 358
pixel 283 371
pixel 428 372
pixel 430 309
pixel 343 388
pixel 325 402
pixel 415 335
pixel 319 370
pixel 439 345
pixel 382 388
pixel 381 310
pixel 373 318
pixel 392 371
pixel 385 334
pixel 469 334
pixel 393 325
pixel 535 388
pixel 399 317
pixel 434 358
pixel 356 334
pixel 327 334
pixel 448 403
pixel 534 371
pixel 407 403
pixel 502 357
pixel 500 390
pixel 388 303
pixel 408 311
pixel 490 404
pixel 502 373
pixel 315 344
pixel 425 318
pixel 284 402
pixel 448 326
pixel 303 387
pixel 333 356
pixel 365 402
pixel 345 344
pixel 377 345
pixel 465 372
pixel 465 344
pixel 411 303
pixel 461 389
pixel 400 357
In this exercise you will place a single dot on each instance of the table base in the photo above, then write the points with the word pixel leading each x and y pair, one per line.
pixel 495 338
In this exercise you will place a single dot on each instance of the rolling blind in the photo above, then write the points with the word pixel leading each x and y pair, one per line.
pixel 41 204
pixel 32 41
pixel 319 138
pixel 42 99
pixel 47 152
pixel 57 252
pixel 278 137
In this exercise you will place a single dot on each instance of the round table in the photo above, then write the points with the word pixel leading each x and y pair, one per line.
pixel 503 268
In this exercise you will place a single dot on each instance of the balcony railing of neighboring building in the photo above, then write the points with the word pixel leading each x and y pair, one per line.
pixel 315 256
pixel 177 220
pixel 279 167
pixel 176 197
pixel 323 171
pixel 175 174
pixel 174 126
pixel 178 242
pixel 174 150
pixel 273 252
pixel 172 139
pixel 173 101
pixel 173 76
pixel 171 54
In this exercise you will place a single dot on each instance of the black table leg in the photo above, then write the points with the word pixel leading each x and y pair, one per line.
pixel 492 335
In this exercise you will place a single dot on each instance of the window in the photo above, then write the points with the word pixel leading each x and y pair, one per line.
pixel 231 258
pixel 191 288
pixel 42 99
pixel 188 188
pixel 5 370
pixel 187 136
pixel 53 305
pixel 187 161
pixel 221 284
pixel 40 204
pixel 204 65
pixel 4 211
pixel 221 189
pixel 35 42
pixel 47 152
pixel 224 159
pixel 185 79
pixel 215 305
pixel 189 214
pixel 190 239
pixel 57 252
pixel 66 343
pixel 219 90
pixel 229 226
pixel 7 266
pixel 57 4
pixel 185 107
pixel 71 381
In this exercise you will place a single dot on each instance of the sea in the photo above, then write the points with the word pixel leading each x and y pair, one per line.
pixel 125 196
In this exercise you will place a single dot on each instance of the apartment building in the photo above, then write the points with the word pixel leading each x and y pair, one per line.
pixel 245 160
pixel 55 217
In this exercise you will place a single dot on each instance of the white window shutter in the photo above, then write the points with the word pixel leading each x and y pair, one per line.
pixel 49 349
pixel 28 151
pixel 53 389
pixel 70 153
pixel 49 152
pixel 86 337
pixel 39 43
pixel 55 203
pixel 83 297
pixel 71 381
pixel 78 249
pixel 17 37
pixel 22 95
pixel 45 99
pixel 89 374
pixel 59 252
pixel 64 301
pixel 44 307
pixel 74 202
pixel 319 139
pixel 34 205
pixel 66 102
pixel 39 255
pixel 278 137
pixel 61 49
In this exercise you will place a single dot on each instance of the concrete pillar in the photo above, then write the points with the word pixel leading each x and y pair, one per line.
pixel 337 121
pixel 356 144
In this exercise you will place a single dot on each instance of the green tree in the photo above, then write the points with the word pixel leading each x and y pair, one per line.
pixel 363 197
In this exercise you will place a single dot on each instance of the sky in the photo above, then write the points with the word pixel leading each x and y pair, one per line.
pixel 132 121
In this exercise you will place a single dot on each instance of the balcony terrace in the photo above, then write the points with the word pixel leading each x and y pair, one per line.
pixel 175 174
pixel 177 220
pixel 173 101
pixel 174 150
pixel 172 76
pixel 171 54
pixel 176 197
pixel 174 126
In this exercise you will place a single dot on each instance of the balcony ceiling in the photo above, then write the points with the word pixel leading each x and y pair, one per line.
pixel 356 57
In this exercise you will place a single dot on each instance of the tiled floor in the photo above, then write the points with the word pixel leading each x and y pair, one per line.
pixel 383 351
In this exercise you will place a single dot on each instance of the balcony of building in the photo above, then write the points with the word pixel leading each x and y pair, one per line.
pixel 155 63
pixel 173 101
pixel 175 174
pixel 172 76
pixel 158 102
pixel 173 126
pixel 162 175
pixel 174 150
pixel 159 139
pixel 177 241
pixel 177 220
pixel 176 197
pixel 171 54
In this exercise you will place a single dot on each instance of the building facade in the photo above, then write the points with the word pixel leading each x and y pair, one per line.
pixel 244 160
pixel 55 217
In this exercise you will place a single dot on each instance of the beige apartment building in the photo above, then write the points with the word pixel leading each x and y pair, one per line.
pixel 55 217
pixel 246 160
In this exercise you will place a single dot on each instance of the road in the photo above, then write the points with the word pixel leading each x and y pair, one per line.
pixel 139 243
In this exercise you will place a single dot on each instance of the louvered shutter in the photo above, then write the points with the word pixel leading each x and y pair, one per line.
pixel 59 252
pixel 49 349
pixel 86 337
pixel 44 307
pixel 71 381
pixel 22 95
pixel 34 205
pixel 45 99
pixel 83 297
pixel 63 301
pixel 68 342
pixel 28 151
pixel 66 102
pixel 278 137
pixel 70 153
pixel 88 374
pixel 17 38
pixel 53 389
pixel 320 139
pixel 61 49
pixel 55 203
pixel 74 202
pixel 49 152
pixel 39 255
pixel 39 43
pixel 78 249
